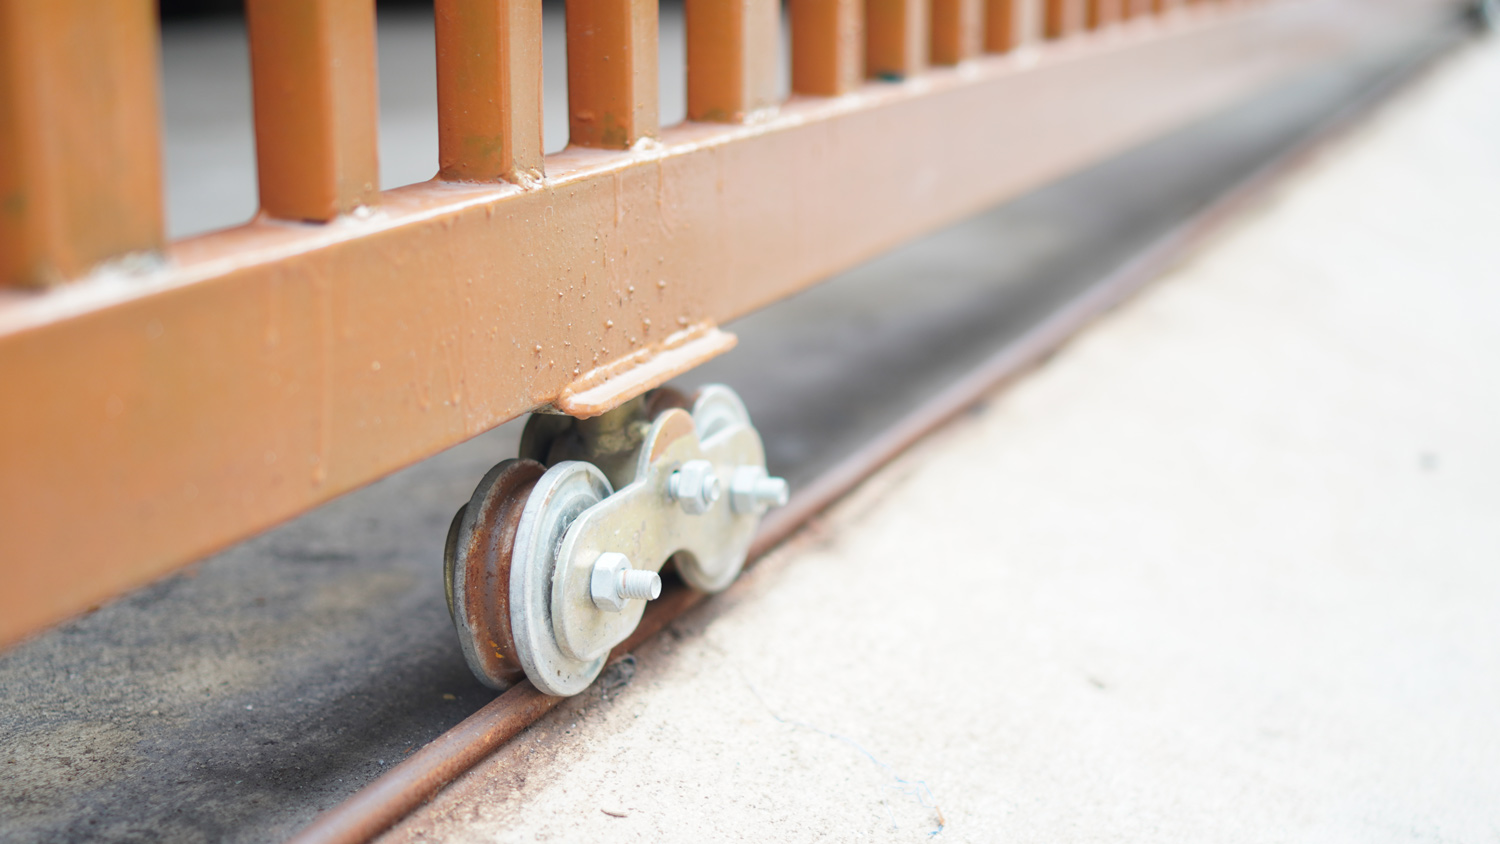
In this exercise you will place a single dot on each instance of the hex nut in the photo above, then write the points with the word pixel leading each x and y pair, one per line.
pixel 694 486
pixel 613 583
pixel 751 489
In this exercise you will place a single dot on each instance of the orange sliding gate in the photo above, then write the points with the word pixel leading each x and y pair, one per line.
pixel 162 399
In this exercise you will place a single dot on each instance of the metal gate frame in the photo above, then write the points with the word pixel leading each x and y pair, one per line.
pixel 165 399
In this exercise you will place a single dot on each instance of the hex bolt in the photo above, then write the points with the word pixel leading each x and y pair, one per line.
pixel 614 583
pixel 751 489
pixel 694 486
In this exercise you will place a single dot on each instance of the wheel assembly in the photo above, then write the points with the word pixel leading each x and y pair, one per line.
pixel 551 563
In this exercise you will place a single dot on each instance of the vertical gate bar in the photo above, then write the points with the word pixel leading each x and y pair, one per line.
pixel 612 70
pixel 732 52
pixel 1008 24
pixel 896 39
pixel 489 89
pixel 957 30
pixel 80 136
pixel 312 63
pixel 1102 13
pixel 828 46
pixel 1063 17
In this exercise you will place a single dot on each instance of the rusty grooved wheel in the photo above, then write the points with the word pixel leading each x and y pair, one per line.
pixel 477 563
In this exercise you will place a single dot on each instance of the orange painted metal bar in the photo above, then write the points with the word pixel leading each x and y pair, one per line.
pixel 896 38
pixel 1008 24
pixel 1062 18
pixel 269 368
pixel 80 147
pixel 489 89
pixel 957 30
pixel 312 63
pixel 828 46
pixel 612 71
pixel 733 48
pixel 1102 13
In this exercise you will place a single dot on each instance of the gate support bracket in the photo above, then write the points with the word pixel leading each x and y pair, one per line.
pixel 605 388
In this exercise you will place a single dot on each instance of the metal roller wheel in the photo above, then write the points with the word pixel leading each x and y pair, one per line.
pixel 557 499
pixel 716 407
pixel 477 568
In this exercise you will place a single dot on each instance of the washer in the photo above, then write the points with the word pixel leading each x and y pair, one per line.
pixel 560 495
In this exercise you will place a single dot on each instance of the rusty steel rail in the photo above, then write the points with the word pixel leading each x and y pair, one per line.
pixel 383 803
pixel 170 399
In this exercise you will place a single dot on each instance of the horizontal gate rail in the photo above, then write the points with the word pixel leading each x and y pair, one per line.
pixel 157 410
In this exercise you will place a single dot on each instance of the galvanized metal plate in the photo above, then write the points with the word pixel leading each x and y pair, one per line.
pixel 644 523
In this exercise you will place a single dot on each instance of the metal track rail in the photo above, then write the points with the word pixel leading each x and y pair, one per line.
pixel 384 802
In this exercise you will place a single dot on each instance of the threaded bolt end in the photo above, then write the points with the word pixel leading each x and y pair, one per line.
pixel 751 490
pixel 772 491
pixel 645 585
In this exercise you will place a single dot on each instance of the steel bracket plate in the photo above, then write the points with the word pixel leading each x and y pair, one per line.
pixel 643 522
pixel 601 390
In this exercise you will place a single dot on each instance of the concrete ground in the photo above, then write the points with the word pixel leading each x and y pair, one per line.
pixel 1226 569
